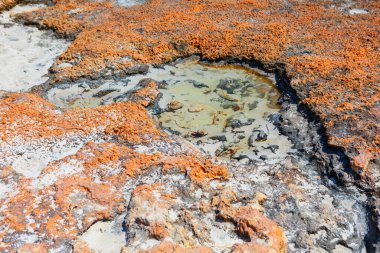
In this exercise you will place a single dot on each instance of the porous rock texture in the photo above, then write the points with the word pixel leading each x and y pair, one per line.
pixel 328 49
pixel 47 206
pixel 6 4
pixel 62 171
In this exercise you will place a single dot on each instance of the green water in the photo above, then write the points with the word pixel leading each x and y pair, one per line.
pixel 227 103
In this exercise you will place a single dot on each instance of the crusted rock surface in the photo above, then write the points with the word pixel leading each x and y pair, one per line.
pixel 329 50
pixel 69 177
pixel 72 177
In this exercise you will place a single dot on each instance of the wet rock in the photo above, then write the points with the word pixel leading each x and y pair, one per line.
pixel 253 105
pixel 174 105
pixel 199 133
pixel 196 108
pixel 226 96
pixel 242 157
pixel 261 136
pixel 272 148
pixel 234 123
pixel 252 141
pixel 162 85
pixel 230 85
pixel 237 121
pixel 198 84
pixel 241 137
pixel 145 93
pixel 227 151
pixel 219 138
pixel 346 102
pixel 103 93
pixel 233 106
pixel 196 203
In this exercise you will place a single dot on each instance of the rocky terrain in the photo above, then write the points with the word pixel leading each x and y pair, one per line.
pixel 115 138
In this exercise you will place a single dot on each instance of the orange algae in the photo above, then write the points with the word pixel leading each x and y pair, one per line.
pixel 330 56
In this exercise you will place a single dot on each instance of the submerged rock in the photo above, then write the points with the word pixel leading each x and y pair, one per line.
pixel 199 133
pixel 238 120
pixel 198 84
pixel 174 105
pixel 219 138
pixel 230 85
pixel 196 108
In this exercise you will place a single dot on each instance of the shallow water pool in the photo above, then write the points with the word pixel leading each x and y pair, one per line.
pixel 224 110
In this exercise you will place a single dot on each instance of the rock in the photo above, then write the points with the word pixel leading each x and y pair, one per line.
pixel 234 123
pixel 177 248
pixel 103 93
pixel 199 133
pixel 304 240
pixel 264 157
pixel 198 84
pixel 345 101
pixel 174 105
pixel 253 105
pixel 158 231
pixel 261 136
pixel 145 93
pixel 251 227
pixel 242 157
pixel 251 141
pixel 272 148
pixel 260 197
pixel 241 137
pixel 227 151
pixel 237 121
pixel 32 248
pixel 234 106
pixel 5 171
pixel 81 246
pixel 196 108
pixel 219 138
pixel 162 85
pixel 227 96
pixel 230 85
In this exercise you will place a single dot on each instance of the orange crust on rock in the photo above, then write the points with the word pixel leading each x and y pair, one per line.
pixel 330 56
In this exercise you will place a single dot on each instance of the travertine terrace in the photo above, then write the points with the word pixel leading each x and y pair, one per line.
pixel 70 178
